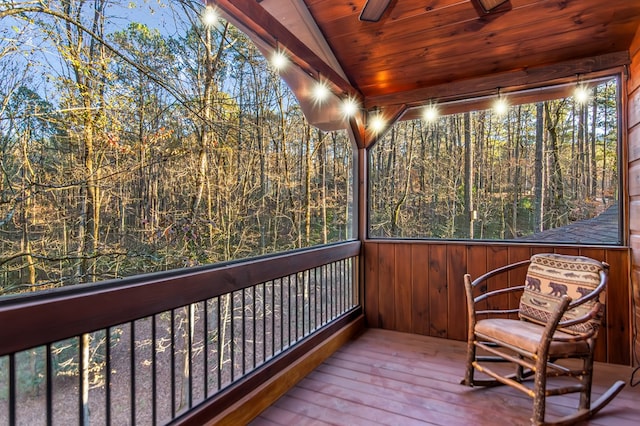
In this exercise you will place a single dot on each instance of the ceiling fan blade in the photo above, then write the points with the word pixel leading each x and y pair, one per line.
pixel 373 10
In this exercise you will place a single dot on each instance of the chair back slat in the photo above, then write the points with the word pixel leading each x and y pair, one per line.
pixel 551 276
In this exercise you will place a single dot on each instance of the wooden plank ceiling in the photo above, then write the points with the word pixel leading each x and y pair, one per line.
pixel 442 49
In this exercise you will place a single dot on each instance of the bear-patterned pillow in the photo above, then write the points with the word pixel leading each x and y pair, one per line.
pixel 549 277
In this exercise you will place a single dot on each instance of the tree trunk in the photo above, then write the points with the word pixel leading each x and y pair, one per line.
pixel 538 203
pixel 468 174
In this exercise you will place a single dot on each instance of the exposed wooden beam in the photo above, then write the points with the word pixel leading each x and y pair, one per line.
pixel 488 84
pixel 358 129
pixel 254 18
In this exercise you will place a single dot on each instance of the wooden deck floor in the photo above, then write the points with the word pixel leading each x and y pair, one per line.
pixel 392 378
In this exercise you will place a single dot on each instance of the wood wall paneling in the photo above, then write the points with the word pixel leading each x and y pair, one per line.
pixel 634 215
pixel 634 143
pixel 456 302
pixel 517 276
pixel 497 256
pixel 386 286
pixel 403 291
pixel 371 284
pixel 634 179
pixel 634 100
pixel 438 292
pixel 618 312
pixel 601 343
pixel 429 298
pixel 634 54
pixel 477 265
pixel 420 288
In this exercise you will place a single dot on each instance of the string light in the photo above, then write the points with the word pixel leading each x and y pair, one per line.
pixel 581 94
pixel 377 123
pixel 350 107
pixel 320 92
pixel 209 16
pixel 500 106
pixel 430 113
pixel 279 60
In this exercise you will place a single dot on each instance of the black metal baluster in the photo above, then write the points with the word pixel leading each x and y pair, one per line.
pixel 219 357
pixel 253 288
pixel 12 389
pixel 232 334
pixel 132 362
pixel 317 294
pixel 322 298
pixel 244 333
pixel 281 307
pixel 154 372
pixel 273 318
pixel 173 363
pixel 309 302
pixel 343 288
pixel 81 361
pixel 191 313
pixel 205 361
pixel 331 272
pixel 107 384
pixel 298 308
pixel 264 322
pixel 49 367
pixel 289 308
pixel 326 282
pixel 345 283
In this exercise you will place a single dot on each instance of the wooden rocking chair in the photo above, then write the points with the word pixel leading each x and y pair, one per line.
pixel 550 327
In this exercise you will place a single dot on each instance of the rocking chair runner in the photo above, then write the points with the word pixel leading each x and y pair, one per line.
pixel 550 327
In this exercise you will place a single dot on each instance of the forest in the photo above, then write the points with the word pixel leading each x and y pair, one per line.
pixel 509 175
pixel 136 136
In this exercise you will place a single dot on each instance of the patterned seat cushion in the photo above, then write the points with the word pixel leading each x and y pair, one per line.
pixel 550 276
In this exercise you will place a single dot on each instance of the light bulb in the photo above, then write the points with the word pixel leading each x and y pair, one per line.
pixel 430 113
pixel 350 107
pixel 377 123
pixel 501 106
pixel 320 92
pixel 582 94
pixel 209 16
pixel 279 60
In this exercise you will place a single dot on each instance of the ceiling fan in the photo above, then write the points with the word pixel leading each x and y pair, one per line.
pixel 374 9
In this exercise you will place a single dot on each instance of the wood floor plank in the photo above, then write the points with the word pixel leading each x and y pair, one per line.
pixel 280 416
pixel 386 377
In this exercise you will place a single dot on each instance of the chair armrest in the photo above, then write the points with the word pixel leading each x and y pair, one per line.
pixel 497 292
pixel 498 271
pixel 470 285
pixel 593 312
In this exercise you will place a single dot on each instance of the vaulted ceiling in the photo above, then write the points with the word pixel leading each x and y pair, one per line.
pixel 423 50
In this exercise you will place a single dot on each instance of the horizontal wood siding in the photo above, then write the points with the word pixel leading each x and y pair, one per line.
pixel 633 124
pixel 417 287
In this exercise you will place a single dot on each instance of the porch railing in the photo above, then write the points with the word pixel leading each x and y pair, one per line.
pixel 148 349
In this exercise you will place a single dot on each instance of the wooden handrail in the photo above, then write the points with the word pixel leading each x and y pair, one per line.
pixel 49 317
